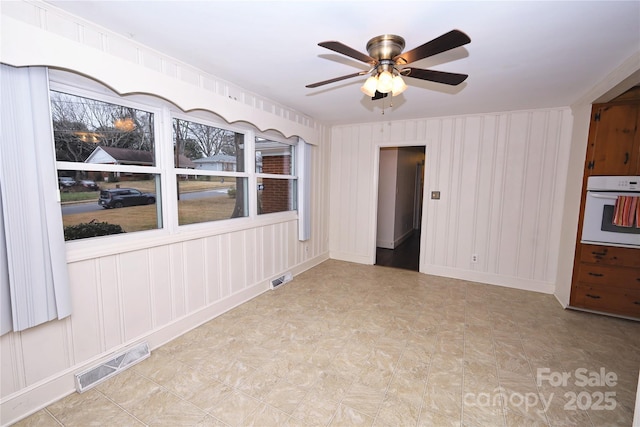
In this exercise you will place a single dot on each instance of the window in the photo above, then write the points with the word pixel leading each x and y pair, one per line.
pixel 104 150
pixel 135 163
pixel 275 171
pixel 210 178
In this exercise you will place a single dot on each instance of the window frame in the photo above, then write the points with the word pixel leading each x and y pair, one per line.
pixel 171 232
pixel 293 143
pixel 175 114
pixel 156 170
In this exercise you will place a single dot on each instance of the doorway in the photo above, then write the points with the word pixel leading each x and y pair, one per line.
pixel 400 200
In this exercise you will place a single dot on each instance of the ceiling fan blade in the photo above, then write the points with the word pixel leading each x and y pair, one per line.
pixel 448 41
pixel 337 79
pixel 348 51
pixel 436 76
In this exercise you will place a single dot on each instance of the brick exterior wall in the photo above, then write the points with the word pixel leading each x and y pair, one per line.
pixel 275 195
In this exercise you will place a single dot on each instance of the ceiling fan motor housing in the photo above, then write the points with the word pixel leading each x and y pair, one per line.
pixel 386 46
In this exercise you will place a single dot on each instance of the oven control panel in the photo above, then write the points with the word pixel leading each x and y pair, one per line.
pixel 613 183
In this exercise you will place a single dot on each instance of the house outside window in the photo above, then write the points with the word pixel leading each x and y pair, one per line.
pixel 217 162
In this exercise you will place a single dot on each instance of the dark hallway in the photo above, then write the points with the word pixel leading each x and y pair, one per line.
pixel 406 256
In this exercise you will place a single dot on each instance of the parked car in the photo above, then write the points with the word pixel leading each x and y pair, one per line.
pixel 121 197
pixel 66 181
pixel 91 185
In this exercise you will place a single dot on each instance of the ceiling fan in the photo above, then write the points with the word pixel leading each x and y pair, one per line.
pixel 387 62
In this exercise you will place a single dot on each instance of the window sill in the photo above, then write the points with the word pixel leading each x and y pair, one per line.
pixel 82 250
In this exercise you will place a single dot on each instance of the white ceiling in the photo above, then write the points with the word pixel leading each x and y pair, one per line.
pixel 522 54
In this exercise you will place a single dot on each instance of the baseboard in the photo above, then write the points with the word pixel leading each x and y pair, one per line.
pixel 491 279
pixel 309 264
pixel 602 313
pixel 351 257
pixel 473 276
pixel 562 303
pixel 400 240
pixel 386 244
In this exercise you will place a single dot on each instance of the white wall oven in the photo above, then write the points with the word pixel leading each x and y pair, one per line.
pixel 612 211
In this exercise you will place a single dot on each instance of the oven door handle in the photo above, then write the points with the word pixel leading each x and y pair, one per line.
pixel 603 196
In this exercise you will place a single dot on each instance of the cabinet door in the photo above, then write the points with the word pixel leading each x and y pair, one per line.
pixel 612 148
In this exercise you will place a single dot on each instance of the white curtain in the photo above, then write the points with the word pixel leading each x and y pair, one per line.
pixel 304 190
pixel 33 277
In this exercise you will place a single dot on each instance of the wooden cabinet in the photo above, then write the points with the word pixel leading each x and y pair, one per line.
pixel 605 278
pixel 614 148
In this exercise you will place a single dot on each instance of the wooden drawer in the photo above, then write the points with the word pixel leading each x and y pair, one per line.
pixel 610 255
pixel 625 302
pixel 620 277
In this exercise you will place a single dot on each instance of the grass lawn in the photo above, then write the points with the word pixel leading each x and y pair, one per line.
pixel 138 218
pixel 133 218
pixel 203 210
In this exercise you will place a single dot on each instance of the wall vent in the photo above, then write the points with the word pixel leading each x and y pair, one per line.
pixel 287 277
pixel 94 376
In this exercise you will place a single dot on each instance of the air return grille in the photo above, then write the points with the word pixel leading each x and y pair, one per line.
pixel 94 376
pixel 281 280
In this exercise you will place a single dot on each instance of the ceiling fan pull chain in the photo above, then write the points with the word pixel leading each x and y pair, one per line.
pixel 390 105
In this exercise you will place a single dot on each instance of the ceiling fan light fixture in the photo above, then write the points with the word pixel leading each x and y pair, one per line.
pixel 387 61
pixel 398 85
pixel 385 82
pixel 369 86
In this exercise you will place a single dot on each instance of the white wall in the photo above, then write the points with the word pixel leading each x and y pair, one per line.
pixel 408 159
pixel 388 171
pixel 501 178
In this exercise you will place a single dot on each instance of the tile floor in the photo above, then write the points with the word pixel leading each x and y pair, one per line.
pixel 353 345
